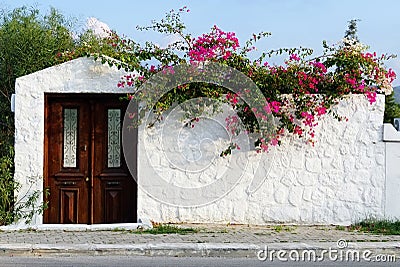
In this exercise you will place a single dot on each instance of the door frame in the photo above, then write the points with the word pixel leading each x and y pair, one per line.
pixel 90 97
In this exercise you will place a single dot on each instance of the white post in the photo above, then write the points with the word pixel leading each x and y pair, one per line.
pixel 391 137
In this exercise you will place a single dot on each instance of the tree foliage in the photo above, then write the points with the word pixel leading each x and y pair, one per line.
pixel 392 109
pixel 351 32
pixel 28 42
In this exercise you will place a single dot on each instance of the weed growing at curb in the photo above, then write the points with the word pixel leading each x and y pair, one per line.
pixel 118 230
pixel 375 226
pixel 206 231
pixel 340 227
pixel 280 228
pixel 167 229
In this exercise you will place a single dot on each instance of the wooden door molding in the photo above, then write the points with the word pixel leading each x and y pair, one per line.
pixel 92 191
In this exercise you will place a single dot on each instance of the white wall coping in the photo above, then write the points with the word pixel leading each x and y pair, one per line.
pixel 390 134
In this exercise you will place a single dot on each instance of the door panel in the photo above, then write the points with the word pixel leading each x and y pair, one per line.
pixel 69 205
pixel 111 175
pixel 113 204
pixel 84 166
pixel 66 177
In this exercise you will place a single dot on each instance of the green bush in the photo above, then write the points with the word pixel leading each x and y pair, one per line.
pixel 377 226
pixel 392 109
pixel 7 188
pixel 29 42
pixel 11 208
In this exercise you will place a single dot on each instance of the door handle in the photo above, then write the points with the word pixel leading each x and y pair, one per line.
pixel 87 179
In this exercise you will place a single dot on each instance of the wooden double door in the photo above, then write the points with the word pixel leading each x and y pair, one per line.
pixel 85 170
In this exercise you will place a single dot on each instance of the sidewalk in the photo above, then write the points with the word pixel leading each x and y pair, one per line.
pixel 210 240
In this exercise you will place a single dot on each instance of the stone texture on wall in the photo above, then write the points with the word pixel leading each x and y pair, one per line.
pixel 339 180
pixel 82 75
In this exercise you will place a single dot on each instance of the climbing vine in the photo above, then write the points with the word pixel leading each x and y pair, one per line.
pixel 297 93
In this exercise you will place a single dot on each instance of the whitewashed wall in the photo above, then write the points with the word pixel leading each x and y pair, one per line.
pixel 82 75
pixel 340 180
pixel 392 160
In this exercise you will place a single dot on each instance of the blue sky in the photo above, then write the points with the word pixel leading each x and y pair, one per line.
pixel 293 23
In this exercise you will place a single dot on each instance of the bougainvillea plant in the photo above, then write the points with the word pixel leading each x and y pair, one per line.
pixel 298 92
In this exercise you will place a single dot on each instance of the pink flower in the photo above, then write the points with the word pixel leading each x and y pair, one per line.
pixel 321 110
pixel 232 98
pixel 319 65
pixel 391 75
pixel 274 141
pixel 131 115
pixel 351 81
pixel 297 130
pixel 308 119
pixel 275 106
pixel 371 96
pixel 264 147
pixel 294 57
pixel 267 108
pixel 213 45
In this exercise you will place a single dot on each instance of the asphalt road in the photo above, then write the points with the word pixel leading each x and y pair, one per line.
pixel 121 261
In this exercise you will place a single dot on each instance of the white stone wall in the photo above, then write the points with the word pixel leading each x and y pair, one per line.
pixel 392 159
pixel 340 180
pixel 82 75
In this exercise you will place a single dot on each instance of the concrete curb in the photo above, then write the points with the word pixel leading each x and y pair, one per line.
pixel 190 249
pixel 77 227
